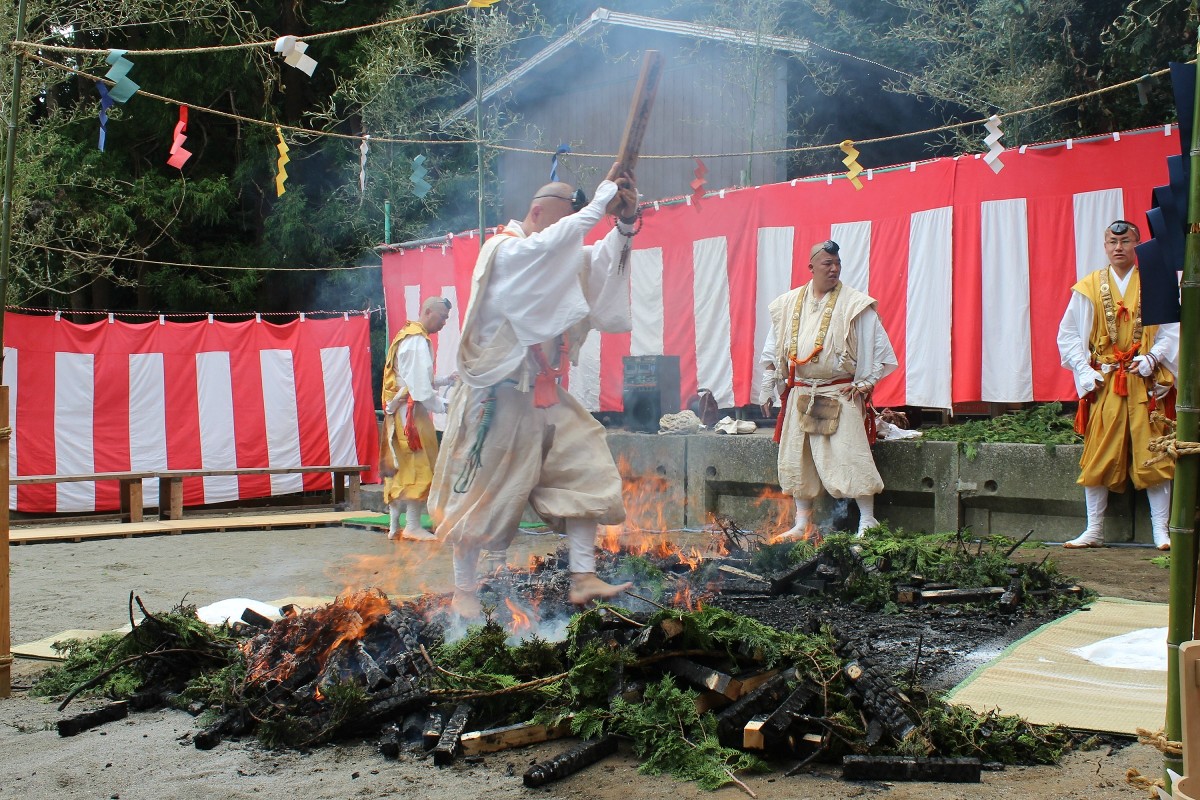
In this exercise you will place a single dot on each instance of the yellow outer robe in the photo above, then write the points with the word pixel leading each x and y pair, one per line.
pixel 1115 446
pixel 407 474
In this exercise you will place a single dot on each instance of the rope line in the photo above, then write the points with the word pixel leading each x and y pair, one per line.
pixel 1167 446
pixel 192 314
pixel 196 266
pixel 251 121
pixel 29 47
pixel 609 156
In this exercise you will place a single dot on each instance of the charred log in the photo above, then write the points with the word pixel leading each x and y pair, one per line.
pixel 449 746
pixel 230 723
pixel 570 762
pixel 904 768
pixel 90 719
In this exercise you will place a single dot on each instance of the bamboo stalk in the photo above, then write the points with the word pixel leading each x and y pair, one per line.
pixel 1183 497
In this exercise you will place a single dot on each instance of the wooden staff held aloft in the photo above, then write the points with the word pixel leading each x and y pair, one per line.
pixel 635 127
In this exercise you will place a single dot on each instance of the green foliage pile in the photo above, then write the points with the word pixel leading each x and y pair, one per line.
pixel 1043 424
pixel 877 563
pixel 165 650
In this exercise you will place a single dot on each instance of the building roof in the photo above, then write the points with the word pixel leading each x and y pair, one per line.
pixel 603 16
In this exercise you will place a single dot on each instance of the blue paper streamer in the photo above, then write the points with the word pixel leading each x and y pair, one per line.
pixel 421 186
pixel 562 148
pixel 106 102
pixel 124 88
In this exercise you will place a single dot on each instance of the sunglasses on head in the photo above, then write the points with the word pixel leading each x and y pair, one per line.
pixel 578 200
pixel 1122 226
pixel 830 246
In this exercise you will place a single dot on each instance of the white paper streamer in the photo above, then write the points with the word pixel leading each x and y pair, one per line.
pixel 362 162
pixel 293 54
pixel 992 140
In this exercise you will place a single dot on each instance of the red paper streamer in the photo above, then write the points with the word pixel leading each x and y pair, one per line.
pixel 178 154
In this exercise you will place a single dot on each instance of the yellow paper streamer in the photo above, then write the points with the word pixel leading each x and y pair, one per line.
pixel 851 161
pixel 481 3
pixel 281 174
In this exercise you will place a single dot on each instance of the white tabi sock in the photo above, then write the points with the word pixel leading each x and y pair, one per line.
pixel 466 562
pixel 1096 500
pixel 1159 497
pixel 581 544
pixel 393 518
pixel 866 512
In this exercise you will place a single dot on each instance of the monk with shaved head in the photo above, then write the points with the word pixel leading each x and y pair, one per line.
pixel 514 436
pixel 409 447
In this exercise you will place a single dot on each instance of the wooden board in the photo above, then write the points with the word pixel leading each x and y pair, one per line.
pixel 519 735
pixel 108 530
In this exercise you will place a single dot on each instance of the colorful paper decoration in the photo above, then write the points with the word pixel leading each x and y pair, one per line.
pixel 992 140
pixel 281 172
pixel 123 88
pixel 106 102
pixel 698 182
pixel 853 168
pixel 293 54
pixel 179 155
pixel 481 3
pixel 362 162
pixel 421 186
pixel 562 148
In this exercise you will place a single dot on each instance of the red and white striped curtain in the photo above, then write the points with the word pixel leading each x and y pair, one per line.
pixel 972 270
pixel 112 396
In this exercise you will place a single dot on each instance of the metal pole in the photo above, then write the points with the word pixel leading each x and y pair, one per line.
pixel 10 157
pixel 1181 621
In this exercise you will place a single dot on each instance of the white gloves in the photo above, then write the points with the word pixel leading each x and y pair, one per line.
pixel 766 387
pixel 392 405
pixel 1089 379
pixel 1145 365
pixel 446 380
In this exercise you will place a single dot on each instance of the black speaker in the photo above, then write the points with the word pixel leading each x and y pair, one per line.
pixel 651 389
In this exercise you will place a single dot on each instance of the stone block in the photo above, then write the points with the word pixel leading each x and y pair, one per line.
pixel 920 481
pixel 737 477
pixel 654 475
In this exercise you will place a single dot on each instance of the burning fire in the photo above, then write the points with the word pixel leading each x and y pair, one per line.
pixel 521 622
pixel 313 637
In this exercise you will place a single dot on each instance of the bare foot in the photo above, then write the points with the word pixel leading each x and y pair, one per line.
pixel 466 605
pixel 586 587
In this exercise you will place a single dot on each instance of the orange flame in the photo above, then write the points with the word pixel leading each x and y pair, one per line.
pixel 521 621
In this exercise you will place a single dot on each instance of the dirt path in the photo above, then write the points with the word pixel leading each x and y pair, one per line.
pixel 86 585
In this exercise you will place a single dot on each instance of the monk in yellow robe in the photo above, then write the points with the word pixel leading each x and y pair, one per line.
pixel 409 446
pixel 1123 370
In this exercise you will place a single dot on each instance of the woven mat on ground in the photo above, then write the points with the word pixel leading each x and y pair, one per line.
pixel 1041 679
pixel 381 521
pixel 43 649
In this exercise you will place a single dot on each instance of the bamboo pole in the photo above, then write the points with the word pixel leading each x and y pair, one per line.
pixel 5 640
pixel 1183 497
pixel 10 153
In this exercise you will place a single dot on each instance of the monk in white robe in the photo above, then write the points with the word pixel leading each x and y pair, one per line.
pixel 824 354
pixel 513 435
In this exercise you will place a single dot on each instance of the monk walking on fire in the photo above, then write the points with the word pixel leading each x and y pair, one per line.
pixel 514 436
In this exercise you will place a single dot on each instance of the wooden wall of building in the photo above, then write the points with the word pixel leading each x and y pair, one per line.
pixel 705 105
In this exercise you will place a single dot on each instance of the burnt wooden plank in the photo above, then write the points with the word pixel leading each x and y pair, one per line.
pixel 583 755
pixel 449 745
pixel 905 768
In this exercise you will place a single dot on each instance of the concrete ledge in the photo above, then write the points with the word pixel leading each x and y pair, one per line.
pixel 675 482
